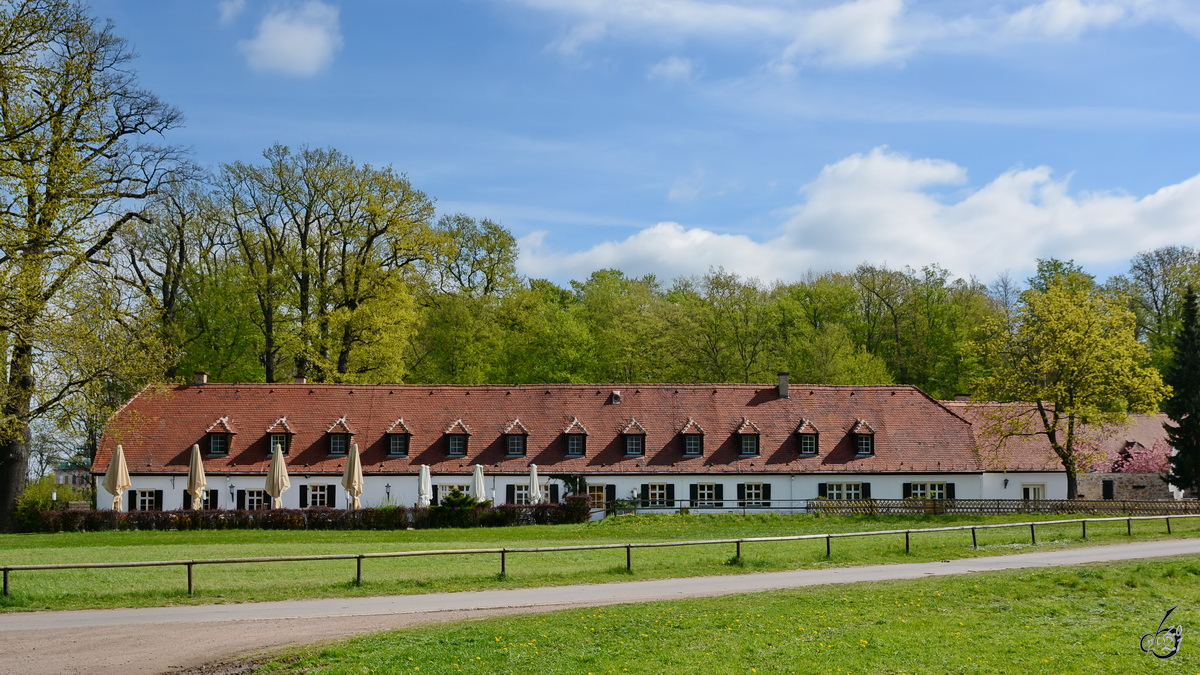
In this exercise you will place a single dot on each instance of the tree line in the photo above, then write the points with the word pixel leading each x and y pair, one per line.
pixel 123 263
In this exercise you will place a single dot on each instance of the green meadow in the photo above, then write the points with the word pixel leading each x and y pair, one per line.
pixel 1086 619
pixel 139 587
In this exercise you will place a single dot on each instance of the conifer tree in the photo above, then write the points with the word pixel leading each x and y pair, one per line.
pixel 1183 406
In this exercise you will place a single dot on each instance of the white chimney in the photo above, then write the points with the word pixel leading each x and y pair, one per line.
pixel 201 377
pixel 783 384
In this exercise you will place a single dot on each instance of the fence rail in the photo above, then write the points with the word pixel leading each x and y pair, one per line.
pixel 629 547
pixel 846 507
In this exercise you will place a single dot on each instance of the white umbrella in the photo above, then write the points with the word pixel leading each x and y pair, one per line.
pixel 116 479
pixel 352 478
pixel 424 487
pixel 277 478
pixel 535 490
pixel 478 489
pixel 196 478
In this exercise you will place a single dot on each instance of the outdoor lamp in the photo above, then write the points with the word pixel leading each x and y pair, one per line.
pixel 387 489
pixel 1006 483
pixel 54 495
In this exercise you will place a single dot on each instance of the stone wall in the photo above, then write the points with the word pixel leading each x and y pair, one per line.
pixel 1125 486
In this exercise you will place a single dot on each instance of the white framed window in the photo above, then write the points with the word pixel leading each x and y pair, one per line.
pixel 844 491
pixel 280 441
pixel 657 494
pixel 218 444
pixel 444 490
pixel 338 444
pixel 521 494
pixel 398 445
pixel 693 444
pixel 808 444
pixel 257 500
pixel 146 500
pixel 864 444
pixel 458 445
pixel 706 494
pixel 635 444
pixel 748 444
pixel 754 494
pixel 1033 491
pixel 929 490
pixel 318 496
pixel 516 445
pixel 576 445
pixel 596 498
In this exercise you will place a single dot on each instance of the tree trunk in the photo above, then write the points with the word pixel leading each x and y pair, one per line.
pixel 14 440
pixel 1072 485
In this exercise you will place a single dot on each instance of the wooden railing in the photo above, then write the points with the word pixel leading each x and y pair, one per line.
pixel 909 507
pixel 504 552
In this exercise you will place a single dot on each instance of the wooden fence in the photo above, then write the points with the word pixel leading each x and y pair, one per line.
pixel 504 552
pixel 910 507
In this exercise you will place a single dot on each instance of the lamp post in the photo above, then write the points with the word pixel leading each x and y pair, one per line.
pixel 387 489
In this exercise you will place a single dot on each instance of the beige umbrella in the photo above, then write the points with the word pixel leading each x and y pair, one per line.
pixel 116 479
pixel 535 489
pixel 478 489
pixel 424 487
pixel 277 478
pixel 352 478
pixel 196 479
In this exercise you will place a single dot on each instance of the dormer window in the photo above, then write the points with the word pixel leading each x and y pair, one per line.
pixel 635 439
pixel 515 436
pixel 747 438
pixel 279 434
pixel 398 439
pixel 576 445
pixel 808 444
pixel 693 439
pixel 218 443
pixel 339 444
pixel 281 441
pixel 864 438
pixel 457 445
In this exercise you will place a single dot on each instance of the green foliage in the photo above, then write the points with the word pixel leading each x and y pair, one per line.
pixel 42 495
pixel 1183 405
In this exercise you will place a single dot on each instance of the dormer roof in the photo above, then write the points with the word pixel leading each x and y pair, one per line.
pixel 399 427
pixel 457 427
pixel 861 427
pixel 515 428
pixel 691 427
pixel 221 426
pixel 747 427
pixel 807 427
pixel 575 427
pixel 340 426
pixel 280 426
pixel 634 427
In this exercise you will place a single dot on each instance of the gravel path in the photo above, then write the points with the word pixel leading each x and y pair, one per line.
pixel 201 639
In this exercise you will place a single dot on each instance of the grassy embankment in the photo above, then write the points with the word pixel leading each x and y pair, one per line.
pixel 1086 619
pixel 73 589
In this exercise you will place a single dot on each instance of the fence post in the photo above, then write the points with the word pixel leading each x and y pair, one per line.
pixel 628 558
pixel 6 583
pixel 906 541
pixel 974 541
pixel 739 549
pixel 1168 519
pixel 190 579
pixel 358 571
pixel 827 540
pixel 1084 524
pixel 1032 534
pixel 1129 526
pixel 503 562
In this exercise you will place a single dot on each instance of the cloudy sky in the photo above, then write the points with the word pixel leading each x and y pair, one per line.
pixel 770 137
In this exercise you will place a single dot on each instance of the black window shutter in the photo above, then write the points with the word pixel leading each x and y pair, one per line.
pixel 766 494
pixel 1108 489
pixel 906 490
pixel 213 495
pixel 434 501
pixel 949 490
pixel 510 494
pixel 241 499
pixel 331 496
pixel 720 494
pixel 133 500
pixel 670 494
pixel 741 492
pixel 187 500
pixel 645 494
pixel 822 489
pixel 554 493
pixel 304 496
pixel 866 490
pixel 694 493
pixel 610 493
pixel 158 500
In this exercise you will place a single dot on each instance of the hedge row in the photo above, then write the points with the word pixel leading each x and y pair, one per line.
pixel 574 510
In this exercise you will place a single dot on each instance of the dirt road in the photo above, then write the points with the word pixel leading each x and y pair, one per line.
pixel 170 639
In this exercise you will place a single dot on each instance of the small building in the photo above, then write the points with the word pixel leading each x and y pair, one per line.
pixel 716 446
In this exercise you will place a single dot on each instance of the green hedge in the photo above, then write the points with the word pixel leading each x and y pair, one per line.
pixel 574 510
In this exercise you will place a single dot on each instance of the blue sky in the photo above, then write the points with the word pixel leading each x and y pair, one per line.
pixel 770 137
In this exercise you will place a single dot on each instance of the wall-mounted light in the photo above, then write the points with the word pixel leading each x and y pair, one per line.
pixel 387 489
pixel 1005 483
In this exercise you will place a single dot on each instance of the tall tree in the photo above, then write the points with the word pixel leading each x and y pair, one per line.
pixel 1183 405
pixel 76 165
pixel 1070 356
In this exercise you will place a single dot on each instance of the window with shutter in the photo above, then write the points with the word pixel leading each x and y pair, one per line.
pixel 510 494
pixel 304 496
pixel 597 495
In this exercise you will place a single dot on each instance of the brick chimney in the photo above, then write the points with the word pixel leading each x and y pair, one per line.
pixel 783 384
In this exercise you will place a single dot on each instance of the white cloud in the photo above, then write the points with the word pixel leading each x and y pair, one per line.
pixel 295 41
pixel 230 9
pixel 1067 18
pixel 883 207
pixel 861 32
pixel 674 68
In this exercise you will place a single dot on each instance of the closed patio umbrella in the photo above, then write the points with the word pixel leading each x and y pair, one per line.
pixel 535 490
pixel 277 478
pixel 478 488
pixel 424 487
pixel 196 478
pixel 116 479
pixel 352 478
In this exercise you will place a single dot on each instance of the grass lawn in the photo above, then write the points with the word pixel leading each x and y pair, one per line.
pixel 1086 619
pixel 72 589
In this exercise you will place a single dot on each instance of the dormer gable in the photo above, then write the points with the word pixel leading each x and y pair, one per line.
pixel 691 427
pixel 747 427
pixel 807 427
pixel 634 427
pixel 575 427
pixel 515 427
pixel 281 426
pixel 221 426
pixel 399 427
pixel 340 426
pixel 458 427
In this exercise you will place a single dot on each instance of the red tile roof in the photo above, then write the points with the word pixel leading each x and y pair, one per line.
pixel 913 433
